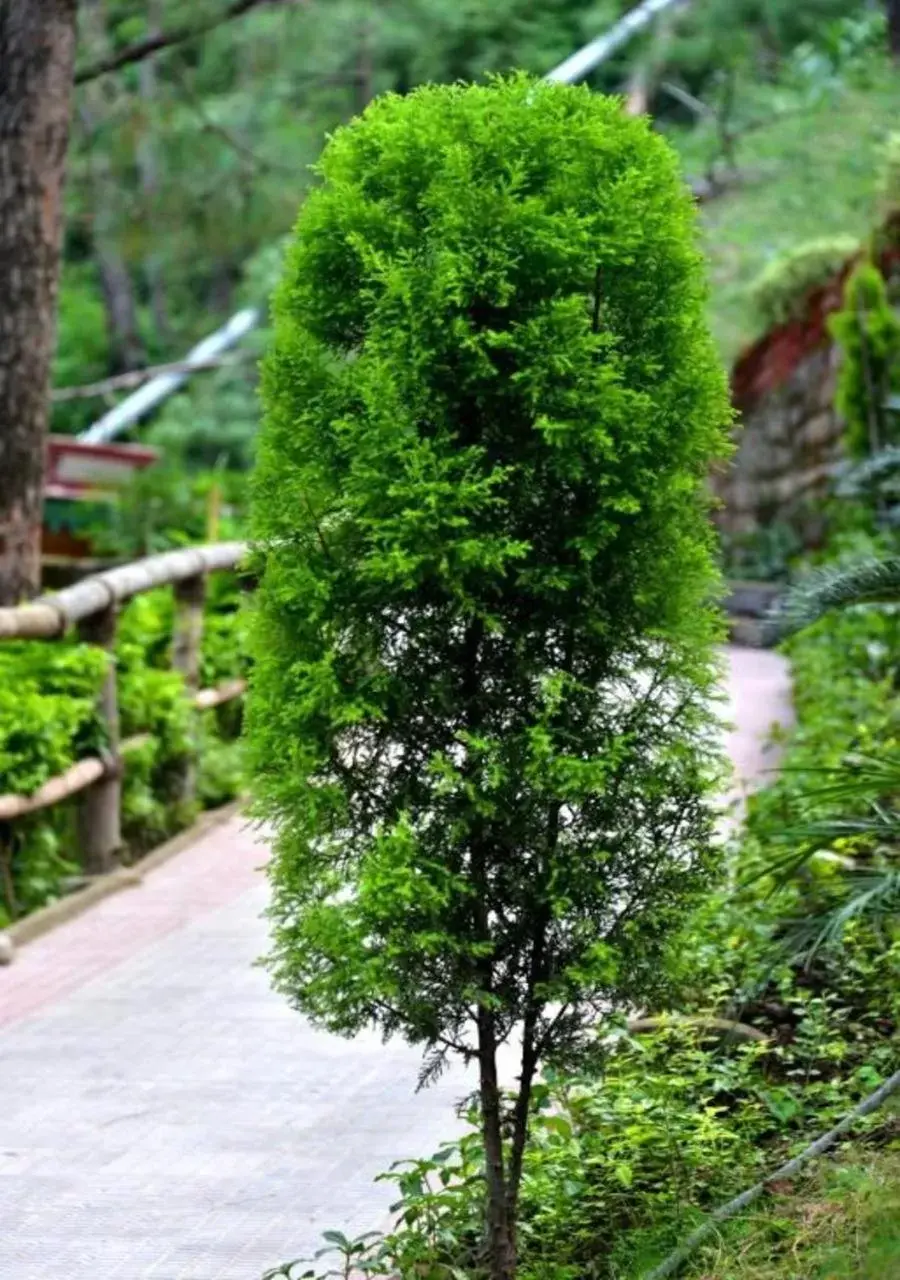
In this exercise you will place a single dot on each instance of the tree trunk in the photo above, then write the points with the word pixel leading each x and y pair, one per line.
pixel 501 1239
pixel 365 71
pixel 126 350
pixel 647 73
pixel 893 21
pixel 37 52
pixel 148 168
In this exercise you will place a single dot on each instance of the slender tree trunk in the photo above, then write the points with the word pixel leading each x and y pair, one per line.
pixel 363 86
pixel 37 53
pixel 893 21
pixel 501 1239
pixel 149 173
pixel 500 1226
pixel 126 349
pixel 125 346
pixel 647 73
pixel 529 1062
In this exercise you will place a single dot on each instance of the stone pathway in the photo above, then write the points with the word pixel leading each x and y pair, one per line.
pixel 164 1116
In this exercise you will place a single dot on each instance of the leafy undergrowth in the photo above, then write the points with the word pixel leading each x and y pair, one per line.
pixel 842 1222
pixel 633 1150
pixel 792 191
pixel 49 722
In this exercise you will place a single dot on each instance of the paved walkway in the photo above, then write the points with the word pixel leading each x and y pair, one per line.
pixel 164 1116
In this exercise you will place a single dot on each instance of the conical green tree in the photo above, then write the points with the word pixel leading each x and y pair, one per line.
pixel 480 711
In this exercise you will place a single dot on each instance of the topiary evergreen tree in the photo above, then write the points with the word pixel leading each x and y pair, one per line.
pixel 480 710
pixel 868 333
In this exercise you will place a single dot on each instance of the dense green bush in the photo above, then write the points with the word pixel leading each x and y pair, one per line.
pixel 48 721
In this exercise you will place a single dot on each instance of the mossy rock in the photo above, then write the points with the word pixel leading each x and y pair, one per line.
pixel 780 292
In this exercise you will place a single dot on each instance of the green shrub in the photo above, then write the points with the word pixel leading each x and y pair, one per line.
pixel 491 407
pixel 48 721
pixel 781 290
pixel 623 1162
pixel 889 183
pixel 868 333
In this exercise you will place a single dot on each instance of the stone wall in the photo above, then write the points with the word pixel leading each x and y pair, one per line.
pixel 788 441
pixel 788 436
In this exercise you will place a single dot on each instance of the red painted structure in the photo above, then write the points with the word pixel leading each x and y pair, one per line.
pixel 81 481
pixel 773 358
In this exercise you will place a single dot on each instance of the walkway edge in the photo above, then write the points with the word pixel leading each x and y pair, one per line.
pixel 75 904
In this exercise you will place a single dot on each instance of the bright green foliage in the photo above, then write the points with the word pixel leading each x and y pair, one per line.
pixel 889 178
pixel 868 333
pixel 480 715
pixel 783 287
pixel 48 721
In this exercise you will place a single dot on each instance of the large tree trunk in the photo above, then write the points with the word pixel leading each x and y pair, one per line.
pixel 893 19
pixel 37 53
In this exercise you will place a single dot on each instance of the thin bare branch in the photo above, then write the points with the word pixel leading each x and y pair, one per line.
pixel 160 40
pixel 137 377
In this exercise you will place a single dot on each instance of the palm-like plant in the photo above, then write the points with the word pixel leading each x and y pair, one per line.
pixel 870 581
pixel 868 882
pixel 864 792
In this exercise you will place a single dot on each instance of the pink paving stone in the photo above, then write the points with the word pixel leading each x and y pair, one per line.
pixel 221 866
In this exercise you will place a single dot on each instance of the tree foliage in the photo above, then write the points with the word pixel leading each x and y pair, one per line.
pixel 868 333
pixel 480 717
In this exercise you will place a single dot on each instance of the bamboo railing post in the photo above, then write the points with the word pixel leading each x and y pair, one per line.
pixel 100 810
pixel 190 596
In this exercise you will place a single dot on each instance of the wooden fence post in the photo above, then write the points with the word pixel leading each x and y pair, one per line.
pixel 190 595
pixel 100 810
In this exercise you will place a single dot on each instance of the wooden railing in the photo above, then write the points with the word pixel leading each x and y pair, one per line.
pixel 92 606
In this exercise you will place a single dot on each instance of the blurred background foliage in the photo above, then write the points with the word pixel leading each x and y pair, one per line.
pixel 187 169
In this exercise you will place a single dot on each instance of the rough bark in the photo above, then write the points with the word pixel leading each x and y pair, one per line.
pixel 37 51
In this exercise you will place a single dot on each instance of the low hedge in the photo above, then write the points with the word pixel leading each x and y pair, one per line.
pixel 48 722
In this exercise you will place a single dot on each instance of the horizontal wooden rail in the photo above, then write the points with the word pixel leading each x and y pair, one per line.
pixel 225 692
pixel 79 776
pixel 51 615
pixel 92 605
pixel 84 773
